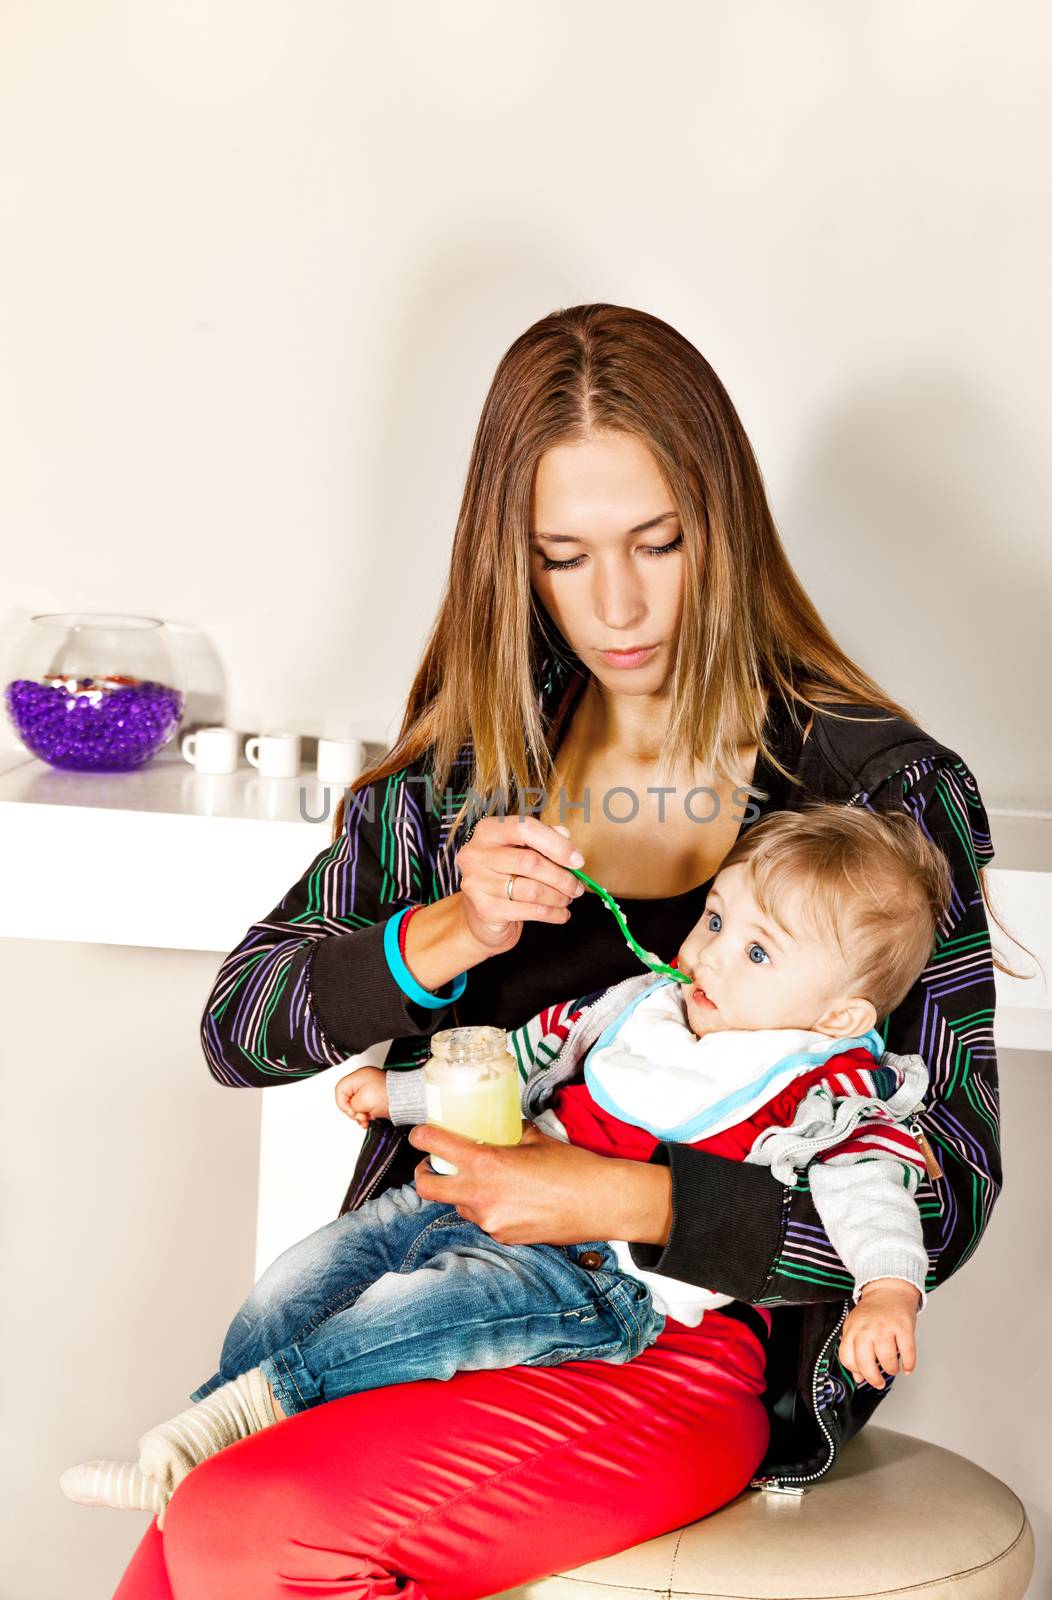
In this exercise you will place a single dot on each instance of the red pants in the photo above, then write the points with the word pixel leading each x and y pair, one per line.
pixel 469 1486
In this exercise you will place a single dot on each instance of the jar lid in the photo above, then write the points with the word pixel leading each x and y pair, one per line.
pixel 476 1043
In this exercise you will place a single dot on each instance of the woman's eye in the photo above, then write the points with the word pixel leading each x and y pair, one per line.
pixel 663 549
pixel 647 549
pixel 763 956
pixel 714 917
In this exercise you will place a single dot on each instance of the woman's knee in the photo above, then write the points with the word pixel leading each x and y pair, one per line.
pixel 198 1508
pixel 221 1523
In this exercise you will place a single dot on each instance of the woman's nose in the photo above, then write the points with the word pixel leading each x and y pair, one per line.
pixel 618 599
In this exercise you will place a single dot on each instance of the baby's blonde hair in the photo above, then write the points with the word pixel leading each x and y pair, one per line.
pixel 872 879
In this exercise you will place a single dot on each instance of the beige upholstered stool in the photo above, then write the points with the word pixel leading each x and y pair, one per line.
pixel 895 1517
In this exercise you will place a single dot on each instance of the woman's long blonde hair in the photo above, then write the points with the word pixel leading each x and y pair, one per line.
pixel 747 623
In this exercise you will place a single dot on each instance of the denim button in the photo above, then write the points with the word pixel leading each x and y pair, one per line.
pixel 590 1259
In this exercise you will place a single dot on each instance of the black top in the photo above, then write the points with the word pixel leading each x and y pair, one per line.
pixel 560 961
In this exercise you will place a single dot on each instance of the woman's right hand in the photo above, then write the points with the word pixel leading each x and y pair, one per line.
pixel 539 855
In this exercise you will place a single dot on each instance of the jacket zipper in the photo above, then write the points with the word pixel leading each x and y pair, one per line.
pixel 779 1485
pixel 547 1071
pixel 375 1181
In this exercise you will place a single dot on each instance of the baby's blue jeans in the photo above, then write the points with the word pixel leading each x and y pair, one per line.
pixel 405 1288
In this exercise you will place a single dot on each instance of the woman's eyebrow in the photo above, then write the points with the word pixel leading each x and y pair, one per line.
pixel 642 527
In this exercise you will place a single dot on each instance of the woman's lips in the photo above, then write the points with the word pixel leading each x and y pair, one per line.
pixel 628 658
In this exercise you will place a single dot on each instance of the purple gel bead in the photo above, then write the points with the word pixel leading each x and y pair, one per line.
pixel 127 726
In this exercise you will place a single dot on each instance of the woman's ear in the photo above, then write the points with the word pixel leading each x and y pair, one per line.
pixel 847 1018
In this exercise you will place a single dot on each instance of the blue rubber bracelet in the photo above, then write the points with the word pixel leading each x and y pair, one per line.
pixel 404 978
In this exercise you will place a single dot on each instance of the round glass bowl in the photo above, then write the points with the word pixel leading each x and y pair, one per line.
pixel 94 691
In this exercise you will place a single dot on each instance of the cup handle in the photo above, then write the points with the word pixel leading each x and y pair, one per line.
pixel 189 748
pixel 252 759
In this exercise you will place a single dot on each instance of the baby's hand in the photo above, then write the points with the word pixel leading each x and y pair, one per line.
pixel 880 1327
pixel 363 1095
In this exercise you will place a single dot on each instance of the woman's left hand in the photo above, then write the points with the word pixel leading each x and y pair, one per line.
pixel 544 1191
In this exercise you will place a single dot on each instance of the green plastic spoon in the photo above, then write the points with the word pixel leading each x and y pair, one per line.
pixel 644 955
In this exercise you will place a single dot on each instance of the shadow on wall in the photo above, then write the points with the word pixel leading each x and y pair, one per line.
pixel 203 674
pixel 936 503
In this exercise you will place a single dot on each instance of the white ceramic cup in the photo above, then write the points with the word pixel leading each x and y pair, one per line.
pixel 274 755
pixel 340 760
pixel 211 749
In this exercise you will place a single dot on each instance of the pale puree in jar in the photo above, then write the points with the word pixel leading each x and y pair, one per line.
pixel 471 1087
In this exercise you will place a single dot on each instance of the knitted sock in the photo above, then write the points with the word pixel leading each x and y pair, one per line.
pixel 169 1451
pixel 229 1413
pixel 113 1483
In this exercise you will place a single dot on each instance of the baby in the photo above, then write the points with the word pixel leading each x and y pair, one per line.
pixel 816 927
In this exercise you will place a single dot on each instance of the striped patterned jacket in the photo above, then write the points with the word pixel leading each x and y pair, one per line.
pixel 309 986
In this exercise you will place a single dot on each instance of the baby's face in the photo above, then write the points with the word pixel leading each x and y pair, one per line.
pixel 748 972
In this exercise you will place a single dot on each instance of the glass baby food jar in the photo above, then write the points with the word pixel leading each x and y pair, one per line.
pixel 471 1087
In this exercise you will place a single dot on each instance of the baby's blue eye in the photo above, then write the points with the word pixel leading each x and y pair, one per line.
pixel 714 916
pixel 763 955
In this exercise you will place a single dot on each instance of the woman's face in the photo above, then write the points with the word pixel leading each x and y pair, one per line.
pixel 620 583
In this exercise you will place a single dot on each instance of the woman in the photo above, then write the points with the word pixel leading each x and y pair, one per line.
pixel 612 504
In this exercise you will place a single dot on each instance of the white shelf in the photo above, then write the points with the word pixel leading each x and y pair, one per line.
pixel 163 856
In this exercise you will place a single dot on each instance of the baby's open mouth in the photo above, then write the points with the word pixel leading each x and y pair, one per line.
pixel 700 998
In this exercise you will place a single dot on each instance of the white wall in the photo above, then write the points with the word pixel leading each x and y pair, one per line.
pixel 259 264
pixel 262 259
pixel 128 1182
